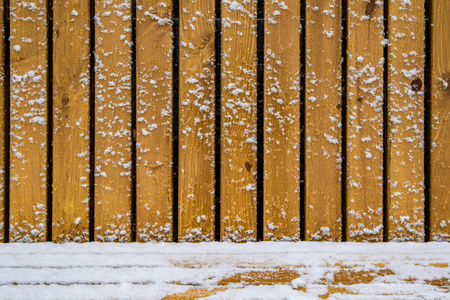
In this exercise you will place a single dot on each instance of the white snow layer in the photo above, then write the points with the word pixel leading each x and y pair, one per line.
pixel 156 270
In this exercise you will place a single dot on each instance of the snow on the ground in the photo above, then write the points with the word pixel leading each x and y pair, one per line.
pixel 156 270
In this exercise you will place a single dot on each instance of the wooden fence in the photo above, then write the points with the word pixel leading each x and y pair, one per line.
pixel 233 120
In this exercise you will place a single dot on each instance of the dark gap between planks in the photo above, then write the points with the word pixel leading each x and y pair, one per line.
pixel 175 120
pixel 133 121
pixel 92 122
pixel 385 120
pixel 217 157
pixel 302 116
pixel 260 123
pixel 344 84
pixel 427 118
pixel 49 119
pixel 7 74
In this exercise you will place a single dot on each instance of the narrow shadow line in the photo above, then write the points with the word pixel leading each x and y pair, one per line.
pixel 92 122
pixel 175 121
pixel 344 83
pixel 133 121
pixel 302 118
pixel 385 122
pixel 427 120
pixel 260 123
pixel 49 119
pixel 7 73
pixel 217 158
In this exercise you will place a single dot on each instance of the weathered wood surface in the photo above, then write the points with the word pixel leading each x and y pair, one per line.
pixel 113 120
pixel 403 144
pixel 197 121
pixel 440 122
pixel 405 147
pixel 323 129
pixel 282 120
pixel 365 121
pixel 28 117
pixel 154 190
pixel 238 121
pixel 71 82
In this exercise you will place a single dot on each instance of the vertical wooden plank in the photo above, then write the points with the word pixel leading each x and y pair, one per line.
pixel 113 120
pixel 2 129
pixel 238 121
pixel 28 158
pixel 71 121
pixel 282 120
pixel 405 169
pixel 440 122
pixel 154 193
pixel 365 121
pixel 323 120
pixel 197 121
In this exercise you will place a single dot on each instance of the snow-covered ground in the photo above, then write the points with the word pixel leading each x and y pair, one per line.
pixel 303 270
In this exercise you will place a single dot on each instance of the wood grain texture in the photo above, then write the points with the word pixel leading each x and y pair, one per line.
pixel 440 123
pixel 365 121
pixel 28 131
pixel 323 129
pixel 405 147
pixel 154 194
pixel 282 120
pixel 197 121
pixel 71 51
pixel 113 120
pixel 238 121
pixel 2 133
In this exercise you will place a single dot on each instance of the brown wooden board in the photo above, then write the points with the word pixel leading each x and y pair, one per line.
pixel 238 121
pixel 440 122
pixel 197 121
pixel 405 148
pixel 113 120
pixel 365 121
pixel 323 129
pixel 282 120
pixel 154 194
pixel 71 46
pixel 28 117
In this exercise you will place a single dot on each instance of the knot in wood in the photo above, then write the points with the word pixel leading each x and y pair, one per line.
pixel 65 100
pixel 370 8
pixel 416 84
